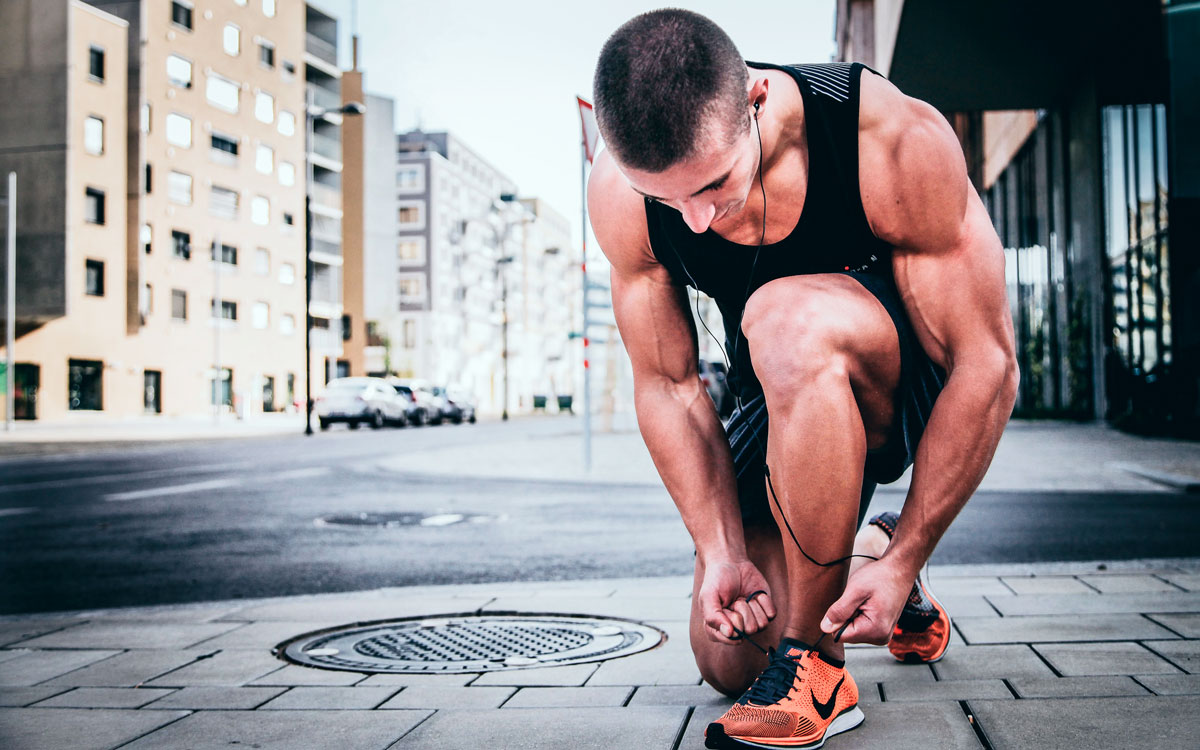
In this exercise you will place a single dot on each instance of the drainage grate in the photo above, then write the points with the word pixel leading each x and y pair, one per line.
pixel 472 643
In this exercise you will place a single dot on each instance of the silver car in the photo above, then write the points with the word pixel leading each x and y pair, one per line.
pixel 358 401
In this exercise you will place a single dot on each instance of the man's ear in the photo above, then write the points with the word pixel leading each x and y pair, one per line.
pixel 756 95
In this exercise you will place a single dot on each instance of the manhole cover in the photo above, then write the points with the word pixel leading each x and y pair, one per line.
pixel 395 520
pixel 473 643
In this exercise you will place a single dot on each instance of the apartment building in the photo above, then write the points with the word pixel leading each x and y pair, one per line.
pixel 171 277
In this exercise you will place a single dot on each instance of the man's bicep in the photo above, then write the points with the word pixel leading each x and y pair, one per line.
pixel 659 334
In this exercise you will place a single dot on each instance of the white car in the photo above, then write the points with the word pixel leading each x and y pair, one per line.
pixel 358 401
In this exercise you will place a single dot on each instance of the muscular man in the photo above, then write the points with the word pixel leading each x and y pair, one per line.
pixel 862 288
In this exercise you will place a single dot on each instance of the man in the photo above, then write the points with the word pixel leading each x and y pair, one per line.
pixel 831 218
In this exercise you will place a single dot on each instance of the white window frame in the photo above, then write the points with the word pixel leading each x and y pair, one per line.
pixel 287 274
pixel 264 107
pixel 93 135
pixel 174 176
pixel 260 315
pixel 268 8
pixel 421 208
pixel 418 298
pixel 236 38
pixel 174 78
pixel 419 241
pixel 287 173
pixel 285 116
pixel 287 324
pixel 264 159
pixel 418 184
pixel 214 78
pixel 260 210
pixel 175 123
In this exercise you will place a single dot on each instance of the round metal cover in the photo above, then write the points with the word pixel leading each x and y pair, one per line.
pixel 471 643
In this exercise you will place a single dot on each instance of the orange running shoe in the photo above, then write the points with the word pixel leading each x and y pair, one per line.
pixel 922 633
pixel 801 699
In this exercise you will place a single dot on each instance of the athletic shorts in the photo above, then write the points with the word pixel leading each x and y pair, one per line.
pixel 920 383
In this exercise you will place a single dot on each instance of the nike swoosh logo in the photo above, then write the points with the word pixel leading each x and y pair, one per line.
pixel 825 710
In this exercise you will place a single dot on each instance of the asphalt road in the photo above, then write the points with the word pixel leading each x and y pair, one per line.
pixel 85 527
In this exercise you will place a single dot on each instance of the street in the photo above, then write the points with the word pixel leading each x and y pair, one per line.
pixel 189 521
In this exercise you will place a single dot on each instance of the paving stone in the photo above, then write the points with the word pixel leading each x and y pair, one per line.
pixel 640 609
pixel 562 697
pixel 1127 584
pixel 331 698
pixel 235 667
pixel 428 680
pixel 78 728
pixel 1076 687
pixel 679 695
pixel 168 613
pixel 265 635
pixel 292 675
pixel 602 728
pixel 672 664
pixel 944 585
pixel 974 662
pixel 1183 654
pixel 14 697
pixel 94 697
pixel 358 609
pixel 282 730
pixel 1093 723
pixel 34 666
pixel 6 654
pixel 450 697
pixel 1046 585
pixel 876 664
pixel 15 631
pixel 964 605
pixel 1172 684
pixel 208 698
pixel 907 726
pixel 902 692
pixel 1020 606
pixel 129 635
pixel 1189 581
pixel 1060 628
pixel 572 674
pixel 128 669
pixel 1186 625
pixel 1074 659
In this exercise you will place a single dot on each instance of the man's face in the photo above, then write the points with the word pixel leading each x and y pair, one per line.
pixel 711 187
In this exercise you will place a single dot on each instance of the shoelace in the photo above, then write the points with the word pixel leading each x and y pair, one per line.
pixel 776 680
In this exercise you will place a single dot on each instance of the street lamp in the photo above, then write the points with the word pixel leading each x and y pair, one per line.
pixel 311 114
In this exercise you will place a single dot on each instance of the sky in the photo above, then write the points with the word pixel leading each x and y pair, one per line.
pixel 503 76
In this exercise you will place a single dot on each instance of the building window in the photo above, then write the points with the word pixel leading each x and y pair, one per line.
pixel 222 388
pixel 146 236
pixel 289 69
pixel 222 93
pixel 226 310
pixel 266 54
pixel 262 262
pixel 179 188
pixel 264 107
pixel 268 393
pixel 287 273
pixel 179 71
pixel 93 135
pixel 93 208
pixel 228 254
pixel 178 304
pixel 288 219
pixel 269 8
pixel 179 130
pixel 147 174
pixel 145 118
pixel 260 315
pixel 287 173
pixel 264 159
pixel 412 288
pixel 181 244
pixel 287 123
pixel 96 64
pixel 84 385
pixel 146 301
pixel 411 178
pixel 411 251
pixel 181 14
pixel 223 149
pixel 223 203
pixel 95 278
pixel 409 215
pixel 410 334
pixel 260 210
pixel 231 40
pixel 346 322
pixel 287 324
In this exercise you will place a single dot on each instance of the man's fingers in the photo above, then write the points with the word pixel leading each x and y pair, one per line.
pixel 862 629
pixel 842 610
pixel 749 622
pixel 765 602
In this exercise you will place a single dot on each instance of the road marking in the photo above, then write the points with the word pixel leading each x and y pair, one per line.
pixel 178 489
pixel 445 519
pixel 103 478
pixel 16 511
pixel 314 471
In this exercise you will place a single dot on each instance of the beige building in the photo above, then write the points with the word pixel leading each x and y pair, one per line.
pixel 173 275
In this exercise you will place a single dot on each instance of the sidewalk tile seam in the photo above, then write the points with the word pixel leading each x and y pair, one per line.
pixel 1183 669
pixel 1151 615
pixel 1169 582
pixel 1089 585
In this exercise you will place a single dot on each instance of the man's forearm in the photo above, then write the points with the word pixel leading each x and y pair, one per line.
pixel 690 451
pixel 956 449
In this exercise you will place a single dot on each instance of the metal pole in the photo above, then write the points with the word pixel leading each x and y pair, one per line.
pixel 504 332
pixel 10 334
pixel 218 313
pixel 587 376
pixel 308 264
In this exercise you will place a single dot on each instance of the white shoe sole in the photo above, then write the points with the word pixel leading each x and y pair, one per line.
pixel 845 721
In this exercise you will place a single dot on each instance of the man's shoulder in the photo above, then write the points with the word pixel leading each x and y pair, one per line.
pixel 618 214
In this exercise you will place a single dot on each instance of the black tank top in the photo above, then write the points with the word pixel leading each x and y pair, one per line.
pixel 831 236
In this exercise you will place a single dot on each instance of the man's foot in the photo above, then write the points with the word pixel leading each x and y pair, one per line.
pixel 922 633
pixel 801 699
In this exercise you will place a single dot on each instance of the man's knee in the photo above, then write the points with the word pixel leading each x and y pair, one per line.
pixel 796 340
pixel 731 676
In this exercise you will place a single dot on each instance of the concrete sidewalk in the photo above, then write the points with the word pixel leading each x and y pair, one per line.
pixel 1084 657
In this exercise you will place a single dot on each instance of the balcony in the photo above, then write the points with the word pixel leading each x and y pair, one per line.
pixel 330 148
pixel 323 98
pixel 320 49
pixel 324 195
pixel 326 247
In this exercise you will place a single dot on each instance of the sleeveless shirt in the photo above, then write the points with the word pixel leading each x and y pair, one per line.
pixel 831 236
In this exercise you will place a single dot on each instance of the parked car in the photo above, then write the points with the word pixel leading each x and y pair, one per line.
pixel 459 404
pixel 712 375
pixel 435 406
pixel 419 405
pixel 358 401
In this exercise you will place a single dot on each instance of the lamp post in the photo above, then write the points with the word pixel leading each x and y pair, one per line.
pixel 504 325
pixel 311 114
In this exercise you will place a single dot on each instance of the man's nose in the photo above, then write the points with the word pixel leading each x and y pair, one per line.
pixel 698 215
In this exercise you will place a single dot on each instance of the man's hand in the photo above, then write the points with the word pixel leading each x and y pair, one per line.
pixel 871 603
pixel 723 600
